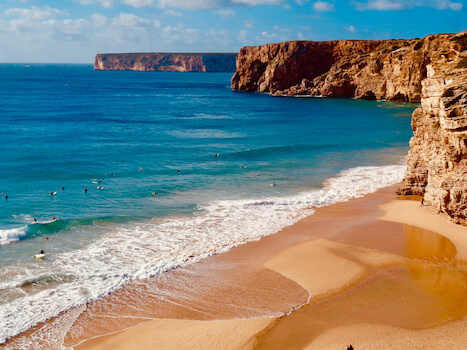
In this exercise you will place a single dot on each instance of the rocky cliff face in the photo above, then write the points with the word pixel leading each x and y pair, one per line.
pixel 437 160
pixel 167 62
pixel 432 71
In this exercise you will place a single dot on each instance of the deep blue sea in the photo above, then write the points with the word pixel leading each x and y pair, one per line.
pixel 227 167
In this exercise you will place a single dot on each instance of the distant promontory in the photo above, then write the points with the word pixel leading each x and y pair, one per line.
pixel 167 62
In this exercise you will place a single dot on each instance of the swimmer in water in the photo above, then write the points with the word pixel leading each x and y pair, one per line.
pixel 216 155
pixel 141 169
pixel 85 190
pixel 63 188
pixel 6 196
pixel 178 171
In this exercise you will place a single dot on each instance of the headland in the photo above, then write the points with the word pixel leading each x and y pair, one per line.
pixel 431 71
pixel 167 62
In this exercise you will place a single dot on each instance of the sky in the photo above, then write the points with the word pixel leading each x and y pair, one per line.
pixel 74 31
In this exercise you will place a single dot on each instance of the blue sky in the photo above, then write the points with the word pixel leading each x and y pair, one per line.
pixel 74 31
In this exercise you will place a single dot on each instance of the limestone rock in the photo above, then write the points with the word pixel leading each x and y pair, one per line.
pixel 432 71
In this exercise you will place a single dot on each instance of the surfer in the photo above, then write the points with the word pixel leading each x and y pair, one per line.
pixel 85 190
pixel 155 193
pixel 178 171
pixel 141 169
pixel 63 188
pixel 41 252
pixel 52 193
pixel 53 218
pixel 6 196
pixel 216 155
pixel 34 219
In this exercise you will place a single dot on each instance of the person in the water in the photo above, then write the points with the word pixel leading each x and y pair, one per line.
pixel 41 252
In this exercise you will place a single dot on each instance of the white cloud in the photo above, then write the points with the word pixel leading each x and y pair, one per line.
pixel 130 20
pixel 104 3
pixel 257 2
pixel 34 13
pixel 173 13
pixel 448 5
pixel 193 4
pixel 397 5
pixel 248 23
pixel 212 4
pixel 226 12
pixel 138 3
pixel 322 6
pixel 99 20
pixel 351 29
pixel 381 5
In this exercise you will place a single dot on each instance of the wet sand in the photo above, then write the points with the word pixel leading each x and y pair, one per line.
pixel 341 276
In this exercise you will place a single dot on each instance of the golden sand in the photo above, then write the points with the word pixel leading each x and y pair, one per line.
pixel 373 272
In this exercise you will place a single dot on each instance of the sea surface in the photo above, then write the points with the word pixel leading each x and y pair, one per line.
pixel 227 167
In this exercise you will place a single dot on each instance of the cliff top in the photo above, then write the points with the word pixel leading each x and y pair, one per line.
pixel 169 53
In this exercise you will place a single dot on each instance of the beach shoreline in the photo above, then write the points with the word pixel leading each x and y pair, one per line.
pixel 265 293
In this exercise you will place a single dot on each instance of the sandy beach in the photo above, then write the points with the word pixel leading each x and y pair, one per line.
pixel 375 272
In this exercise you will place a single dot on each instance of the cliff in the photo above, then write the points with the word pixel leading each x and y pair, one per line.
pixel 432 71
pixel 167 62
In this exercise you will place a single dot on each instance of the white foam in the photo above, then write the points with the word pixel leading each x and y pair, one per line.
pixel 11 235
pixel 143 250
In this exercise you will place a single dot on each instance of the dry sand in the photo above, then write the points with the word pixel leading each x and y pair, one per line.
pixel 339 277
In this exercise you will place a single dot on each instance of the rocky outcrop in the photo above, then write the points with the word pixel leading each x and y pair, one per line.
pixel 432 71
pixel 387 69
pixel 437 160
pixel 167 62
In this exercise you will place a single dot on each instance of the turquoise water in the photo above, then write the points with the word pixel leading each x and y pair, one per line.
pixel 249 164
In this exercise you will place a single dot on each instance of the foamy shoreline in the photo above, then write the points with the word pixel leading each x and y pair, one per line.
pixel 135 252
pixel 308 264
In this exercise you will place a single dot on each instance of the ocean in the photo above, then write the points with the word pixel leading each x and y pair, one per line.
pixel 83 153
